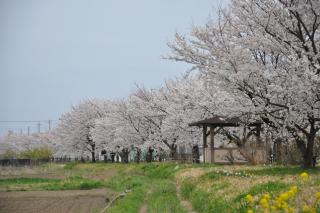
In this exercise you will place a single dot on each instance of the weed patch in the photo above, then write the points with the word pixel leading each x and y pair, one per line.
pixel 270 187
pixel 161 170
pixel 70 165
pixel 203 201
pixel 164 198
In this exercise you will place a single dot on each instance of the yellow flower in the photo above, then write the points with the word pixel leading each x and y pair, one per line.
pixel 264 203
pixel 308 209
pixel 249 211
pixel 266 196
pixel 293 191
pixel 304 176
pixel 278 203
pixel 249 198
pixel 284 205
pixel 290 210
pixel 284 196
pixel 273 208
pixel 318 196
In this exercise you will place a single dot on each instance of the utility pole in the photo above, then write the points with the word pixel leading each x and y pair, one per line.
pixel 39 127
pixel 28 130
pixel 49 122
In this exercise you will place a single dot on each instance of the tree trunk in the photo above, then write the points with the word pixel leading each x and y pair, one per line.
pixel 93 153
pixel 125 155
pixel 112 155
pixel 138 156
pixel 308 153
pixel 173 151
pixel 149 155
pixel 195 154
pixel 161 154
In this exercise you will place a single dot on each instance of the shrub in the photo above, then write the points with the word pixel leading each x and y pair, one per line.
pixel 9 154
pixel 42 153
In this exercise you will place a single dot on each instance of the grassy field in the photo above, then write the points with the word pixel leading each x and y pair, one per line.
pixel 171 187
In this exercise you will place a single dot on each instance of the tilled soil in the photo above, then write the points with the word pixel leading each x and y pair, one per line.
pixel 69 201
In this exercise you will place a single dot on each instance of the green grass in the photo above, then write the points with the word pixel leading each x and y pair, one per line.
pixel 76 182
pixel 161 170
pixel 131 202
pixel 280 171
pixel 138 186
pixel 150 184
pixel 123 182
pixel 70 165
pixel 203 201
pixel 163 198
pixel 23 181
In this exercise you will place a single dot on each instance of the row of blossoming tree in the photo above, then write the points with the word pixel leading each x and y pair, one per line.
pixel 155 118
pixel 259 61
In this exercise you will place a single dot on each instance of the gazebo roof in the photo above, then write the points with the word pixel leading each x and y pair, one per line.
pixel 222 121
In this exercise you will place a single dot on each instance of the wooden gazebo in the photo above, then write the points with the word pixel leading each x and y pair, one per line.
pixel 215 124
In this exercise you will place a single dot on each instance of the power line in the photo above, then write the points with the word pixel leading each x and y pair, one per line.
pixel 27 126
pixel 27 121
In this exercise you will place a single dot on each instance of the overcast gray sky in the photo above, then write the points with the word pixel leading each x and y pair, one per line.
pixel 56 53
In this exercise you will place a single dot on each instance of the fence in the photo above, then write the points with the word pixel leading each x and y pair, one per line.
pixel 31 162
pixel 21 162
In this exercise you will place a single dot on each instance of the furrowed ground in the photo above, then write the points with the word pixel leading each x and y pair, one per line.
pixel 158 187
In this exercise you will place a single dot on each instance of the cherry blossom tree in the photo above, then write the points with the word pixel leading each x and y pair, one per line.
pixel 120 130
pixel 75 127
pixel 18 143
pixel 267 53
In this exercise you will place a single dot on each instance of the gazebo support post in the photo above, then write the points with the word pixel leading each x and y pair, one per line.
pixel 204 133
pixel 258 135
pixel 220 122
pixel 212 133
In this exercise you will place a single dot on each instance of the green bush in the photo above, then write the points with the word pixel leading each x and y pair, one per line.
pixel 42 153
pixel 9 154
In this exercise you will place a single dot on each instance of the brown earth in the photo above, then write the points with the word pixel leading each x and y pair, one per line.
pixel 69 201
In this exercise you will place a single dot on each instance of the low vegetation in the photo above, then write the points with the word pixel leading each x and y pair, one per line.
pixel 40 153
pixel 164 187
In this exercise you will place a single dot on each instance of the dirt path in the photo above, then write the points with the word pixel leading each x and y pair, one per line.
pixel 80 201
pixel 184 203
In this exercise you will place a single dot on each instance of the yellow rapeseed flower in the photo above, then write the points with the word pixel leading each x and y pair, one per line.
pixel 284 205
pixel 308 209
pixel 264 203
pixel 293 191
pixel 284 196
pixel 249 211
pixel 266 196
pixel 249 198
pixel 318 196
pixel 304 176
pixel 290 210
pixel 281 204
pixel 273 208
